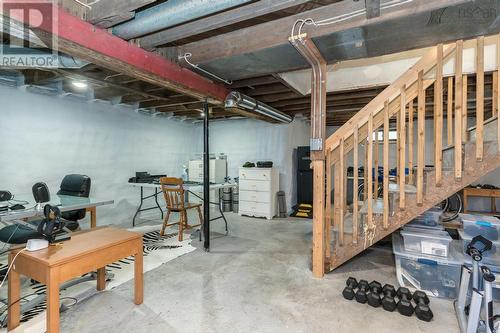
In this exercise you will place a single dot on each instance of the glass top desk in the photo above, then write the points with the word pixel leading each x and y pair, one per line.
pixel 63 202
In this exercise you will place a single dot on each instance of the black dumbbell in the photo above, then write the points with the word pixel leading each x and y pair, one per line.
pixel 422 310
pixel 362 290
pixel 404 305
pixel 388 301
pixel 374 294
pixel 348 292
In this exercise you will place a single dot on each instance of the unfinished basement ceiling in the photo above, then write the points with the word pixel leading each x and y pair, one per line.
pixel 247 42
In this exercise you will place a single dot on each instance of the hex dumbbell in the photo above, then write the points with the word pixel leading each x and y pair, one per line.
pixel 388 301
pixel 348 292
pixel 404 305
pixel 373 295
pixel 361 296
pixel 422 309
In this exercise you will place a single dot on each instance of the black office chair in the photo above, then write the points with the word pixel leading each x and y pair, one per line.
pixel 75 186
pixel 71 185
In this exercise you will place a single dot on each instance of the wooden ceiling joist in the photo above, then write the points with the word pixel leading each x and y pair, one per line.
pixel 240 14
pixel 83 40
pixel 276 33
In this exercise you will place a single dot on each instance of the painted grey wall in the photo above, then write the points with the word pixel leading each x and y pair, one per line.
pixel 47 137
pixel 251 140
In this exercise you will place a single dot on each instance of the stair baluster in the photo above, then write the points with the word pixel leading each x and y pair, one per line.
pixel 386 165
pixel 438 117
pixel 458 109
pixel 480 98
pixel 402 147
pixel 421 139
pixel 355 203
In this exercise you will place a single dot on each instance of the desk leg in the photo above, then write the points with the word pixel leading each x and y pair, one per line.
pixel 14 294
pixel 138 209
pixel 138 276
pixel 93 217
pixel 101 279
pixel 222 213
pixel 156 200
pixel 53 301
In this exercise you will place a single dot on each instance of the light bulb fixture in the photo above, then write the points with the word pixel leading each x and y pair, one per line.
pixel 79 84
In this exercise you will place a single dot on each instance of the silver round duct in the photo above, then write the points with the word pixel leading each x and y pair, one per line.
pixel 238 100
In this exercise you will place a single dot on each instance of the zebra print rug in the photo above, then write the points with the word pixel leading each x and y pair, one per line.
pixel 157 250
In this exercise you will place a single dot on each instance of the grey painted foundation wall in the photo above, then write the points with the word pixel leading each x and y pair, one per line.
pixel 47 137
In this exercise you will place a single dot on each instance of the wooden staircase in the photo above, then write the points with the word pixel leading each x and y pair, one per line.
pixel 460 155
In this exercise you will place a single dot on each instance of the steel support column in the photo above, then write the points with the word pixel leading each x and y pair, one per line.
pixel 310 52
pixel 206 178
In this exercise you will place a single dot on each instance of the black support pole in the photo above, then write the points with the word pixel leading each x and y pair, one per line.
pixel 206 179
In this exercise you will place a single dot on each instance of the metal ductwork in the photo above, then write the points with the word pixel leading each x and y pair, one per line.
pixel 236 100
pixel 170 13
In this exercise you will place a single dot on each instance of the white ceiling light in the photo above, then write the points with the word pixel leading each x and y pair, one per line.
pixel 79 84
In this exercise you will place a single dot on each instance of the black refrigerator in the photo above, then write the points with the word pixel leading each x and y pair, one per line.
pixel 304 176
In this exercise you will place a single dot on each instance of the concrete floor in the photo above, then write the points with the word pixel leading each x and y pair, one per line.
pixel 257 279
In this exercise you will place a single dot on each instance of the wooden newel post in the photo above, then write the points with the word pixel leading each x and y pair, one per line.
pixel 310 52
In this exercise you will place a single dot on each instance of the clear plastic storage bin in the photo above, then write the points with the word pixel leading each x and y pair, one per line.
pixel 486 226
pixel 437 276
pixel 491 257
pixel 423 242
pixel 428 220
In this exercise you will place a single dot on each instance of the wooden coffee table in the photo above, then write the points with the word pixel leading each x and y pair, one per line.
pixel 86 252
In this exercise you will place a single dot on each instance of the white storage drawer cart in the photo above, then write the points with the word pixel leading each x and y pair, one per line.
pixel 258 192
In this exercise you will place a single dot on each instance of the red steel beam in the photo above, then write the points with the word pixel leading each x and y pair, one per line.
pixel 83 40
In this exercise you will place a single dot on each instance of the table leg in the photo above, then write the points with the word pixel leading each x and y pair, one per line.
pixel 156 200
pixel 138 276
pixel 14 294
pixel 222 213
pixel 52 302
pixel 101 279
pixel 138 209
pixel 493 205
pixel 93 217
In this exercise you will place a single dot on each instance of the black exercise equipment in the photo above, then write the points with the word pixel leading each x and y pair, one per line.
pixel 422 309
pixel 348 292
pixel 361 294
pixel 388 300
pixel 477 247
pixel 404 305
pixel 373 295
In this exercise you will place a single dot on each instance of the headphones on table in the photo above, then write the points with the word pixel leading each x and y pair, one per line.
pixel 51 222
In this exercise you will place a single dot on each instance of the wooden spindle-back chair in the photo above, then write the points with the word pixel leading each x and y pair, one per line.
pixel 174 193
